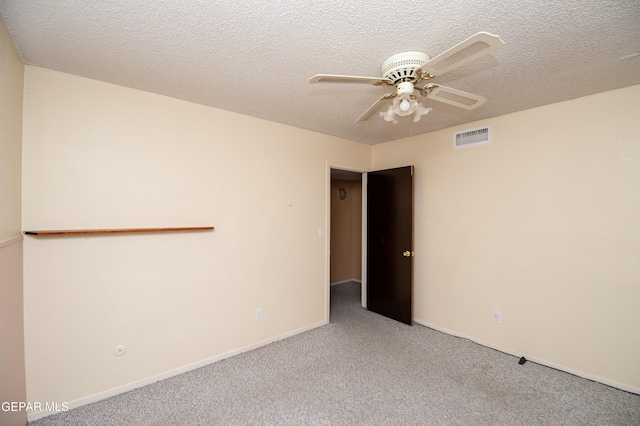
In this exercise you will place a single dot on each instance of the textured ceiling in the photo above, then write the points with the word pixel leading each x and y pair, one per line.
pixel 255 57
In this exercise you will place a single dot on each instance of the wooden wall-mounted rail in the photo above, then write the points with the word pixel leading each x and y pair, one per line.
pixel 116 231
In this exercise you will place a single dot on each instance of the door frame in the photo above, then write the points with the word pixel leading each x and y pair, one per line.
pixel 363 284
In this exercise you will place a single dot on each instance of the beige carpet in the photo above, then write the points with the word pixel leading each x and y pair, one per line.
pixel 364 369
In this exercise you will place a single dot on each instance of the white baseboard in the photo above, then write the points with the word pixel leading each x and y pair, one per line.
pixel 544 362
pixel 149 380
pixel 11 240
pixel 346 281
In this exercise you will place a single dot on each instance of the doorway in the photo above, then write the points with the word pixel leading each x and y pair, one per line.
pixel 380 258
pixel 346 239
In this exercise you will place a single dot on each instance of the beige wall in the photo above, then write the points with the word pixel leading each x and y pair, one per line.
pixel 103 156
pixel 541 224
pixel 346 231
pixel 356 230
pixel 12 379
pixel 11 81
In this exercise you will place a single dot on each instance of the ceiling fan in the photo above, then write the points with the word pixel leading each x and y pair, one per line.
pixel 407 70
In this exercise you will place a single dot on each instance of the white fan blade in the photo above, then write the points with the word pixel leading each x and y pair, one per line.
pixel 374 108
pixel 327 78
pixel 455 97
pixel 469 50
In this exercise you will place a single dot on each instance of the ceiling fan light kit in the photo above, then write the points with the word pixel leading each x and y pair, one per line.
pixel 404 106
pixel 406 70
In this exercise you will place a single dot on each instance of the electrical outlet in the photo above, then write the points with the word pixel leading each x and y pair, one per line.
pixel 497 317
pixel 259 314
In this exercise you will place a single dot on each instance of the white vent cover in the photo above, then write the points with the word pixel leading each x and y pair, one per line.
pixel 471 137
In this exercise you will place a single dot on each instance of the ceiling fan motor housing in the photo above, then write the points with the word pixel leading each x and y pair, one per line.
pixel 401 66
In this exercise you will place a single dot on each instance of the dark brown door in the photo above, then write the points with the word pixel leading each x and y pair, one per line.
pixel 390 243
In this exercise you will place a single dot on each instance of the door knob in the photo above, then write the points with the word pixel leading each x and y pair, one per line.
pixel 406 253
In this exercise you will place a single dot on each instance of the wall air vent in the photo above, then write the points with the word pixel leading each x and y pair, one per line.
pixel 471 137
